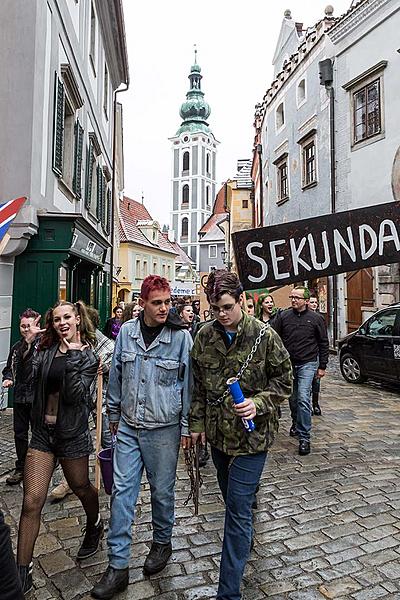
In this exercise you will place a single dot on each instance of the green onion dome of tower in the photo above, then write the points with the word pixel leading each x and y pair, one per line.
pixel 195 110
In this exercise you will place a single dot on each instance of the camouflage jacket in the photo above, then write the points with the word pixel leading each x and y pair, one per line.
pixel 267 380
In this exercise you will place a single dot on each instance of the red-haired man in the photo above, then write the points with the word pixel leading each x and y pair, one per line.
pixel 148 403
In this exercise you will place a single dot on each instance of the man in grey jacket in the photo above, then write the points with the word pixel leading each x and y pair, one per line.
pixel 148 403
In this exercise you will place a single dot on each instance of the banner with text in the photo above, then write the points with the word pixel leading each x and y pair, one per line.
pixel 318 247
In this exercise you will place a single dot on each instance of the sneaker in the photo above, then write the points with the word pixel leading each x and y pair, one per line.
pixel 91 541
pixel 15 478
pixel 293 431
pixel 112 582
pixel 25 576
pixel 61 491
pixel 317 410
pixel 304 447
pixel 157 558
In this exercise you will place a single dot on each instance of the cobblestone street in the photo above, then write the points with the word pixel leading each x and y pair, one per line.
pixel 327 526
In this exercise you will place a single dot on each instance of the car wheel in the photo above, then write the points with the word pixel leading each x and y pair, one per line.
pixel 351 370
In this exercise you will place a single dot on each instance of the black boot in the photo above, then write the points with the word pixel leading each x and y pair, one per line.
pixel 25 575
pixel 316 406
pixel 157 558
pixel 91 541
pixel 15 478
pixel 112 582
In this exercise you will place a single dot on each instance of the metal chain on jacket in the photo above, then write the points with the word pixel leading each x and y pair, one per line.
pixel 243 367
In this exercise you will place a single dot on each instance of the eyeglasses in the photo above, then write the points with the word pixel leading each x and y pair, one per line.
pixel 297 298
pixel 227 308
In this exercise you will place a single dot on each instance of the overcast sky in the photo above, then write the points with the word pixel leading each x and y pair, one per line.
pixel 235 41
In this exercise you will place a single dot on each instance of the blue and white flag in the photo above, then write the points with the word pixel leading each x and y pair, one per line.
pixel 8 212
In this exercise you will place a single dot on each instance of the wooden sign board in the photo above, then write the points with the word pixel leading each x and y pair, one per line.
pixel 291 252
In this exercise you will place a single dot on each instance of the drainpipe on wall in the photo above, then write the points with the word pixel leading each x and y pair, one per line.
pixel 259 152
pixel 326 79
pixel 113 199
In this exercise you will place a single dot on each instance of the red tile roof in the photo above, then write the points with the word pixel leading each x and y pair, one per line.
pixel 130 212
pixel 218 209
pixel 182 257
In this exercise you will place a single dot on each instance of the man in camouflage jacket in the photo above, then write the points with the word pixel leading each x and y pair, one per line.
pixel 220 349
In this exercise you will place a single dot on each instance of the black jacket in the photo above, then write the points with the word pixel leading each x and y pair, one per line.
pixel 18 369
pixel 304 336
pixel 75 398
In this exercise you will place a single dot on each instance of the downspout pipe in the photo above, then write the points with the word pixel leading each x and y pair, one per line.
pixel 113 195
pixel 261 220
pixel 326 79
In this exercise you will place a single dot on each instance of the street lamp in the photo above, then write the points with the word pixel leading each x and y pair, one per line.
pixel 225 258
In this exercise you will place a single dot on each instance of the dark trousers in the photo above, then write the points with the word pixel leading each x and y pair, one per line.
pixel 22 419
pixel 238 479
pixel 9 581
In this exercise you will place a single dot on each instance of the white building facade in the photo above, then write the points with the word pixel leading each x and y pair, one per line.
pixel 62 61
pixel 367 139
pixel 194 150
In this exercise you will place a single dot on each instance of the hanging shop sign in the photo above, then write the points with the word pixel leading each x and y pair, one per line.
pixel 318 247
pixel 87 248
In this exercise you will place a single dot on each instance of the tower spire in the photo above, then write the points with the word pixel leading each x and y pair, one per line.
pixel 195 111
pixel 195 54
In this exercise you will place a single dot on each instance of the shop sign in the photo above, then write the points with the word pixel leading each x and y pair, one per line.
pixel 180 288
pixel 291 252
pixel 83 246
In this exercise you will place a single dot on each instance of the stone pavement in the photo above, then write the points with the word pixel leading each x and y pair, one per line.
pixel 328 524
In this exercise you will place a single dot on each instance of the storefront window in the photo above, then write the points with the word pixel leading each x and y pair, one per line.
pixel 62 283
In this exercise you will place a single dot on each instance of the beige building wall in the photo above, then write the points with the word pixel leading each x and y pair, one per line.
pixel 137 262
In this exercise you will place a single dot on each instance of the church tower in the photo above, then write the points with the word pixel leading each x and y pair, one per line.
pixel 194 149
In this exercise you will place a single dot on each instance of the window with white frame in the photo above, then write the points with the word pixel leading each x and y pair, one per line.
pixel 137 272
pixel 186 162
pixel 212 251
pixel 367 111
pixel 308 161
pixel 92 47
pixel 68 133
pixel 301 92
pixel 280 116
pixel 367 106
pixel 105 91
pixel 282 178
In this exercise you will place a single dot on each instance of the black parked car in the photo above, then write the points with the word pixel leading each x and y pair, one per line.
pixel 374 349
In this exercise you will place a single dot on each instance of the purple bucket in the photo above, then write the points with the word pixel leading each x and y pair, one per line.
pixel 106 467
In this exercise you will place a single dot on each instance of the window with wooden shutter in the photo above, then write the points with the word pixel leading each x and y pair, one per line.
pixel 58 134
pixel 77 179
pixel 99 204
pixel 109 212
pixel 89 175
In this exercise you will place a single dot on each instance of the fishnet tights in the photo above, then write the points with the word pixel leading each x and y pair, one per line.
pixel 39 467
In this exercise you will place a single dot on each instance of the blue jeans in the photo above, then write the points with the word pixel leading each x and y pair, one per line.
pixel 155 450
pixel 300 400
pixel 238 478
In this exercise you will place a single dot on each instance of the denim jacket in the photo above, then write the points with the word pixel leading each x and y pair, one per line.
pixel 150 387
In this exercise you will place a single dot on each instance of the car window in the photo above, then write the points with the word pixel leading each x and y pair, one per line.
pixel 382 324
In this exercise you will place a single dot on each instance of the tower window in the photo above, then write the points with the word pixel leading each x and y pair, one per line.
pixel 186 162
pixel 185 194
pixel 208 164
pixel 208 196
pixel 301 92
pixel 280 116
pixel 185 228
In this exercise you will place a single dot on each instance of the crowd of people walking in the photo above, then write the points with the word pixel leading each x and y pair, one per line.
pixel 166 376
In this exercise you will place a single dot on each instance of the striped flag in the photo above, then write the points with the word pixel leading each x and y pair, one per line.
pixel 8 212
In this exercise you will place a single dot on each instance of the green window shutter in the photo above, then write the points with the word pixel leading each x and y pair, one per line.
pixel 108 213
pixel 99 193
pixel 77 179
pixel 58 133
pixel 89 174
pixel 103 200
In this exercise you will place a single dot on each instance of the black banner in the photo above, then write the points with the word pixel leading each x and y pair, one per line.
pixel 318 247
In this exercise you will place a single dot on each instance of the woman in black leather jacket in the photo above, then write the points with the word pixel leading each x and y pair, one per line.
pixel 63 369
